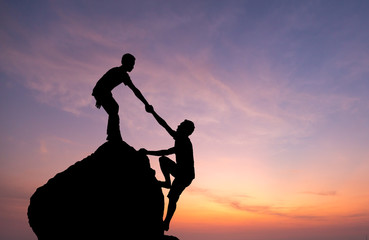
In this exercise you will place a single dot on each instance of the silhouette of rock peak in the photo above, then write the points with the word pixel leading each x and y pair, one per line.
pixel 111 194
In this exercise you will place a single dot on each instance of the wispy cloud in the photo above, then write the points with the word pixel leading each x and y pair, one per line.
pixel 322 193
pixel 270 210
pixel 63 63
pixel 43 147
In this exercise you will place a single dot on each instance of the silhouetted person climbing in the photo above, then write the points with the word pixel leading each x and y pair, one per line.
pixel 183 170
pixel 104 97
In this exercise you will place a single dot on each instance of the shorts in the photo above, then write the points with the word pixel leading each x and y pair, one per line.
pixel 101 98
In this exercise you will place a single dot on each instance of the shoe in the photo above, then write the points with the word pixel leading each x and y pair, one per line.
pixel 165 226
pixel 114 138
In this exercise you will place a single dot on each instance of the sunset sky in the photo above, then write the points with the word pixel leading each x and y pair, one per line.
pixel 278 91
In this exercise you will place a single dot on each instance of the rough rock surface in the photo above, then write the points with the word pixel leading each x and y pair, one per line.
pixel 111 194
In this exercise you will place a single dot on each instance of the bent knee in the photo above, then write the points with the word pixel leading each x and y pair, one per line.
pixel 162 158
pixel 164 161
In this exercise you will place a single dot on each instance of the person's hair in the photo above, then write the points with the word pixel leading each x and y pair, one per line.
pixel 189 126
pixel 127 58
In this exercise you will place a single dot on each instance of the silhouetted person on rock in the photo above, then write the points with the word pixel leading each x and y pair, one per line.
pixel 183 170
pixel 104 97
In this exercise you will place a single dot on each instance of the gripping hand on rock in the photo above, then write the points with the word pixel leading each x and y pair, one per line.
pixel 143 151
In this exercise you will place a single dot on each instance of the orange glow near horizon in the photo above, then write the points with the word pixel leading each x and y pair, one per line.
pixel 278 92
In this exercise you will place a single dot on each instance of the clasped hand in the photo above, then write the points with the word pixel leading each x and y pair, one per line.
pixel 149 108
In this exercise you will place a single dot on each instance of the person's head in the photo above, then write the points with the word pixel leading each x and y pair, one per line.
pixel 186 128
pixel 128 62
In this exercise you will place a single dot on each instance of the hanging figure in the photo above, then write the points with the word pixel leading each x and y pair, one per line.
pixel 182 170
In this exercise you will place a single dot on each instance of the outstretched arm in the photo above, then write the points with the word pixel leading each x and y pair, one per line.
pixel 163 123
pixel 159 152
pixel 137 93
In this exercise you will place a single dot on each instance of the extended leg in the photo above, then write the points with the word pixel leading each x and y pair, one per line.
pixel 176 190
pixel 172 205
pixel 112 108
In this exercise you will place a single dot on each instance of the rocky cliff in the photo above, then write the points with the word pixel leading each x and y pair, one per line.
pixel 111 194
